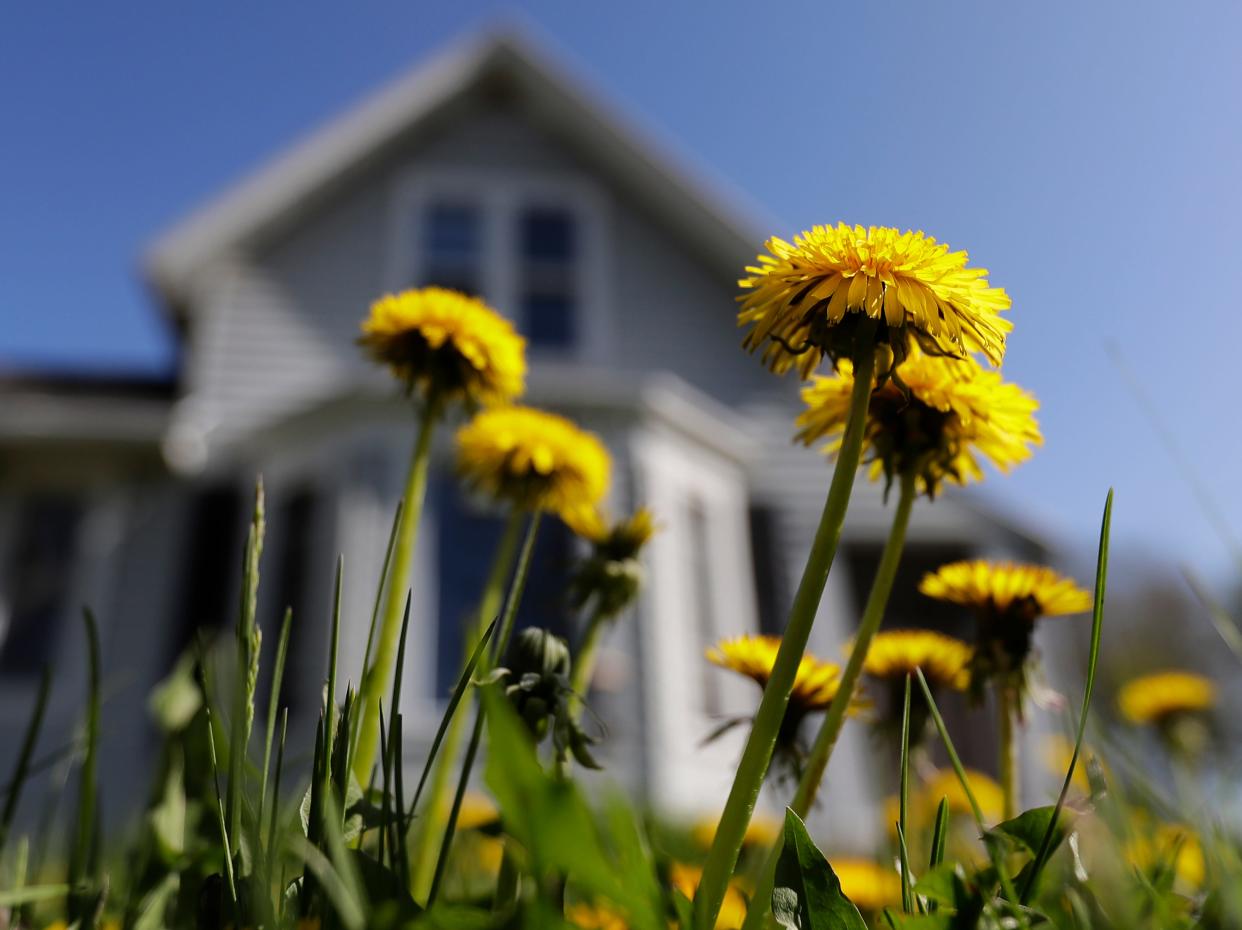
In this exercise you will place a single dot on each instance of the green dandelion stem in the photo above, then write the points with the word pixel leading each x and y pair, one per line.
pixel 756 757
pixel 1007 714
pixel 584 662
pixel 834 719
pixel 376 677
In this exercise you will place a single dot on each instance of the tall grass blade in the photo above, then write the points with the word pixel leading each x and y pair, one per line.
pixel 272 852
pixel 458 692
pixel 1097 625
pixel 273 702
pixel 1226 627
pixel 32 893
pixel 248 642
pixel 907 892
pixel 402 862
pixel 940 834
pixel 82 850
pixel 21 771
pixel 998 862
pixel 333 652
pixel 221 821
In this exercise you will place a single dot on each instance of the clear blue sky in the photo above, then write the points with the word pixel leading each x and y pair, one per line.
pixel 1088 154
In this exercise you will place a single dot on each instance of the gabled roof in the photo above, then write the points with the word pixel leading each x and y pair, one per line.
pixel 330 158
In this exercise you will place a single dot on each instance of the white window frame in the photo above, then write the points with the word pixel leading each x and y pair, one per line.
pixel 500 196
pixel 687 775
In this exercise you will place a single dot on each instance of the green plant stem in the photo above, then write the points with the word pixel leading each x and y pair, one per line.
pixel 1007 710
pixel 376 676
pixel 499 645
pixel 834 719
pixel 432 826
pixel 584 663
pixel 756 757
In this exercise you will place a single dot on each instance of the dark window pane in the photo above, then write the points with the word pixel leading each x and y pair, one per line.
pixel 771 589
pixel 547 235
pixel 451 242
pixel 467 536
pixel 38 578
pixel 452 230
pixel 212 572
pixel 549 320
pixel 295 521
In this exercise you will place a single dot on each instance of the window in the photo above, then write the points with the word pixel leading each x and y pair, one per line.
pixel 701 590
pixel 295 517
pixel 212 573
pixel 547 252
pixel 452 246
pixel 38 580
pixel 771 586
pixel 468 532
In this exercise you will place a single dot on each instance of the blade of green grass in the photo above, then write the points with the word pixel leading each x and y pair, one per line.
pixel 1097 624
pixel 248 642
pixel 273 702
pixel 272 851
pixel 333 650
pixel 1226 627
pixel 907 892
pixel 84 837
pixel 462 683
pixel 221 821
pixel 21 770
pixel 403 854
pixel 998 862
pixel 31 894
pixel 940 834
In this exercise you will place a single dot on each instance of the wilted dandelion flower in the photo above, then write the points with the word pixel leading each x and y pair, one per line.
pixel 1007 598
pixel 1157 698
pixel 535 461
pixel 937 419
pixel 444 343
pixel 871 886
pixel 610 577
pixel 805 298
pixel 895 654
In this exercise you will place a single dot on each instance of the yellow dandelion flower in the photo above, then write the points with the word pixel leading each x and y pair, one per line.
pixel 1007 599
pixel 939 418
pixel 945 784
pixel 1030 591
pixel 478 812
pixel 870 886
pixel 894 654
pixel 804 298
pixel 1161 696
pixel 816 682
pixel 446 343
pixel 595 917
pixel 685 878
pixel 536 461
pixel 1154 849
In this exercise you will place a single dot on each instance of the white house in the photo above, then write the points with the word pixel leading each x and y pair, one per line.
pixel 488 169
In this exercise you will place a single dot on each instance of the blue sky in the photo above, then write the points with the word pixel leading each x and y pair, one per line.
pixel 1087 154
